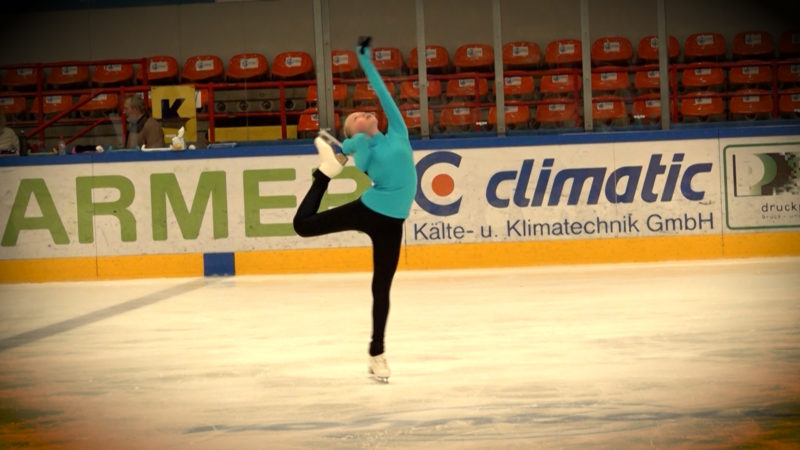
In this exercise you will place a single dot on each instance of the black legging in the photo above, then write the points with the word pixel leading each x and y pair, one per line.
pixel 385 232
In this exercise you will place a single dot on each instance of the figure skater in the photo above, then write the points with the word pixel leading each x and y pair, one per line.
pixel 380 212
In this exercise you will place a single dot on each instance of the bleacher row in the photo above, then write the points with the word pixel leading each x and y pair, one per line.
pixel 541 89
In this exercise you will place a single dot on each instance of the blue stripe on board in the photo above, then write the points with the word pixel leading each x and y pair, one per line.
pixel 218 264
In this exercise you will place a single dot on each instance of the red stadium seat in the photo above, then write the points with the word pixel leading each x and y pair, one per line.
pixel 789 103
pixel 703 78
pixel 458 116
pixel 563 52
pixel 789 44
pixel 557 113
pixel 363 94
pixel 517 117
pixel 474 57
pixel 518 87
pixel 23 79
pixel 609 110
pixel 753 44
pixel 560 84
pixel 612 50
pixel 521 55
pixel 53 104
pixel 308 124
pixel 650 80
pixel 698 106
pixel 160 70
pixel 388 60
pixel 648 49
pixel 247 67
pixel 100 103
pixel 112 75
pixel 202 68
pixel 13 106
pixel 293 65
pixel 436 58
pixel 344 63
pixel 339 94
pixel 745 74
pixel 409 91
pixel 411 116
pixel 751 104
pixel 68 75
pixel 789 72
pixel 610 80
pixel 464 88
pixel 647 108
pixel 705 46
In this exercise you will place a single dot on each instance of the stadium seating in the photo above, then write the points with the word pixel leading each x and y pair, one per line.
pixel 702 78
pixel 650 80
pixel 560 85
pixel 704 47
pixel 751 104
pixel 518 88
pixel 557 113
pixel 517 117
pixel 339 95
pixel 789 73
pixel 344 64
pixel 521 55
pixel 99 104
pixel 23 79
pixel 646 109
pixel 563 53
pixel 247 67
pixel 458 117
pixel 53 104
pixel 202 69
pixel 112 75
pixel 474 58
pixel 411 116
pixel 308 124
pixel 13 107
pixel 648 49
pixel 464 89
pixel 612 51
pixel 160 70
pixel 609 110
pixel 409 91
pixel 363 94
pixel 293 65
pixel 748 73
pixel 387 60
pixel 610 80
pixel 789 44
pixel 753 45
pixel 789 104
pixel 68 76
pixel 699 106
pixel 437 59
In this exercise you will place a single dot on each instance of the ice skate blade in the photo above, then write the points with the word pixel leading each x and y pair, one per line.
pixel 382 380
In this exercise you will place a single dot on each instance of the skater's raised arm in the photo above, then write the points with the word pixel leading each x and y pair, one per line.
pixel 396 123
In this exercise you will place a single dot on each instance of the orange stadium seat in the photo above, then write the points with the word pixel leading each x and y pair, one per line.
pixel 612 50
pixel 789 103
pixel 702 78
pixel 556 113
pixel 247 67
pixel 388 60
pixel 744 74
pixel 436 58
pixel 411 116
pixel 13 106
pixel 474 57
pixel 100 103
pixel 23 79
pixel 648 49
pixel 339 94
pixel 560 84
pixel 518 87
pixel 202 68
pixel 68 75
pixel 344 63
pixel 112 74
pixel 409 91
pixel 53 104
pixel 698 106
pixel 563 52
pixel 751 104
pixel 704 46
pixel 363 93
pixel 753 44
pixel 308 124
pixel 610 80
pixel 517 117
pixel 789 72
pixel 609 110
pixel 465 88
pixel 458 117
pixel 789 44
pixel 293 65
pixel 521 55
pixel 647 108
pixel 160 70
pixel 650 79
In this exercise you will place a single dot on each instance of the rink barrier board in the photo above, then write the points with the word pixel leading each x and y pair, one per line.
pixel 422 257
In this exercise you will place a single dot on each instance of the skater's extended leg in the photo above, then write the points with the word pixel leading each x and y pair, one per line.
pixel 309 222
pixel 385 255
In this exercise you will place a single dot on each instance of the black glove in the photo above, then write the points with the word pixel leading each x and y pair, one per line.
pixel 363 43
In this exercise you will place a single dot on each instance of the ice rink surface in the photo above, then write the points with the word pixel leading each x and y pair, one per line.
pixel 673 355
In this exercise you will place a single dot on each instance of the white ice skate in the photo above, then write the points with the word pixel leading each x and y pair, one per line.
pixel 379 369
pixel 332 162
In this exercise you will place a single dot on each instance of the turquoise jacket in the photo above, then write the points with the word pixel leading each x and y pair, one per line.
pixel 386 158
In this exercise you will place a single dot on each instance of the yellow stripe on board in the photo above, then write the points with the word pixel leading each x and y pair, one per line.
pixel 52 269
pixel 149 266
